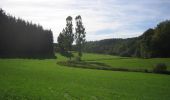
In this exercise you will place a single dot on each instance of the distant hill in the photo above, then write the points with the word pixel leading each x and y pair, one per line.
pixel 152 43
pixel 19 38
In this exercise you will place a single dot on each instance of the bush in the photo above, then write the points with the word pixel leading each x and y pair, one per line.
pixel 160 68
pixel 146 71
pixel 77 58
pixel 125 54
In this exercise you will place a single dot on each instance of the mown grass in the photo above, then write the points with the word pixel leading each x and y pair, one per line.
pixel 28 79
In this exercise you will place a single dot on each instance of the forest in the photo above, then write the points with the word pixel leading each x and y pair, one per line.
pixel 19 38
pixel 152 43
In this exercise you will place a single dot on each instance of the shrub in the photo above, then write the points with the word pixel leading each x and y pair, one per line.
pixel 160 68
pixel 125 54
pixel 146 71
pixel 77 58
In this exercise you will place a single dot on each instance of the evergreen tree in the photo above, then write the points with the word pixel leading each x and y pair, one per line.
pixel 66 38
pixel 19 38
pixel 79 35
pixel 69 35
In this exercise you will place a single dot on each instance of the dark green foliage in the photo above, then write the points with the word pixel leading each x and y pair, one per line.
pixel 66 38
pixel 161 40
pixel 145 42
pixel 19 38
pixel 123 47
pixel 79 35
pixel 152 43
pixel 160 68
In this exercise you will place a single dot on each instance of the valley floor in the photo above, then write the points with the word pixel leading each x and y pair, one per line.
pixel 32 79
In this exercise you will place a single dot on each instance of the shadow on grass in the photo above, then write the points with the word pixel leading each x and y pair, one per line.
pixel 97 65
pixel 118 58
pixel 102 66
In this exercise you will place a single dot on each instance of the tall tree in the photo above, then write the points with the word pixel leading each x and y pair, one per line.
pixel 69 33
pixel 66 38
pixel 146 43
pixel 79 35
pixel 62 43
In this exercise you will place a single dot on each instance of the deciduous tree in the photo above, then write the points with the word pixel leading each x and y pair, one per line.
pixel 66 38
pixel 80 35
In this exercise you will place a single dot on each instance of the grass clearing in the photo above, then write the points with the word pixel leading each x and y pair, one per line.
pixel 31 79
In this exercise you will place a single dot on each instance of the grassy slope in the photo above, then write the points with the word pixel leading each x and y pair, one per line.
pixel 127 62
pixel 44 79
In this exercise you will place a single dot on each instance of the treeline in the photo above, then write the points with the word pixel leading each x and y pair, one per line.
pixel 19 38
pixel 152 43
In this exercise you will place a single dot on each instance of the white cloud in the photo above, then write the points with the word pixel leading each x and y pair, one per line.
pixel 127 18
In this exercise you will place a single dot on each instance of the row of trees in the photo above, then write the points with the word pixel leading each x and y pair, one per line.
pixel 19 38
pixel 67 37
pixel 152 43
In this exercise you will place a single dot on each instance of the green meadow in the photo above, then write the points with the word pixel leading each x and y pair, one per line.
pixel 126 62
pixel 34 79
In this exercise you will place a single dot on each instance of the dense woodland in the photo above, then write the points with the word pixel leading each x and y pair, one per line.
pixel 152 43
pixel 19 38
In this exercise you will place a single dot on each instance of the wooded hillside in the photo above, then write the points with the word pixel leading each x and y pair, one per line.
pixel 152 43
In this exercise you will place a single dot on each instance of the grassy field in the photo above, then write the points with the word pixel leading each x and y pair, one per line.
pixel 31 79
pixel 127 62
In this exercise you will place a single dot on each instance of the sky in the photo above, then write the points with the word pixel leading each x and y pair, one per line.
pixel 102 19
